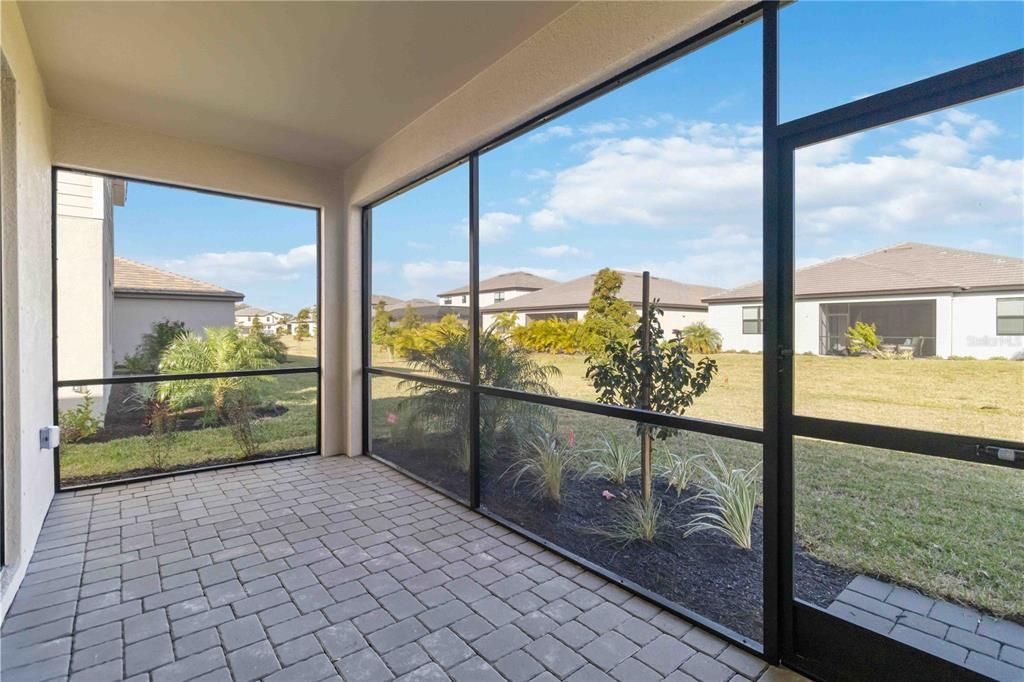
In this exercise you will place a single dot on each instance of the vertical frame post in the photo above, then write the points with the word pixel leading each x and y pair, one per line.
pixel 646 447
pixel 367 284
pixel 774 322
pixel 474 330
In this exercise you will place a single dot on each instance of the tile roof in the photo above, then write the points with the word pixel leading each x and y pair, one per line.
pixel 506 280
pixel 902 268
pixel 131 277
pixel 576 294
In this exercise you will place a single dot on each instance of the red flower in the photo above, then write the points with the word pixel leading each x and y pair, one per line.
pixel 392 417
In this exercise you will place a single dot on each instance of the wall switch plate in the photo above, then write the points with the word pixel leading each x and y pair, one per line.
pixel 49 437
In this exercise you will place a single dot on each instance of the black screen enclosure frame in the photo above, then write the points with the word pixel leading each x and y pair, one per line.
pixel 795 633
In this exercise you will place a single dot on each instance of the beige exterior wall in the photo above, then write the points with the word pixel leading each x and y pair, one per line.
pixel 582 47
pixel 85 257
pixel 27 328
pixel 134 317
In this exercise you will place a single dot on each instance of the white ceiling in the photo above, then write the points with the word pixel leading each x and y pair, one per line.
pixel 316 83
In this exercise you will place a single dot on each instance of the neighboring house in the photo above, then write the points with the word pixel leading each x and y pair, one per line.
pixel 428 311
pixel 936 300
pixel 145 295
pixel 108 303
pixel 682 303
pixel 496 289
pixel 246 315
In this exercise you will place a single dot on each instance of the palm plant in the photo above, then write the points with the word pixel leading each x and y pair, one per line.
pixel 545 464
pixel 444 353
pixel 616 460
pixel 700 338
pixel 680 470
pixel 230 400
pixel 732 498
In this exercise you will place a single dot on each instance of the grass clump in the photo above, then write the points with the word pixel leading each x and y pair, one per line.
pixel 680 470
pixel 731 494
pixel 634 519
pixel 615 459
pixel 545 465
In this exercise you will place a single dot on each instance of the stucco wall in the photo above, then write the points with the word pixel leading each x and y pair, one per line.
pixel 974 327
pixel 582 47
pixel 27 366
pixel 134 318
pixel 727 319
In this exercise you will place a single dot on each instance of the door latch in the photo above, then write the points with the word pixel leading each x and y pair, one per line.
pixel 1001 453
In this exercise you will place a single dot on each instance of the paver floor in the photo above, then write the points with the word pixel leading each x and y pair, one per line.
pixel 326 568
pixel 992 647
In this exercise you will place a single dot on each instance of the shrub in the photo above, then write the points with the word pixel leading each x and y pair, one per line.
pixel 230 400
pixel 862 337
pixel 700 338
pixel 545 464
pixel 147 355
pixel 79 422
pixel 553 335
pixel 442 350
pixel 616 460
pixel 158 417
pixel 633 518
pixel 680 471
pixel 731 495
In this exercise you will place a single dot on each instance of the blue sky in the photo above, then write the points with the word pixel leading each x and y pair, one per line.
pixel 664 173
pixel 266 251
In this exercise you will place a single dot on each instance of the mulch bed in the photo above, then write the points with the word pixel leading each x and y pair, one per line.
pixel 121 422
pixel 706 572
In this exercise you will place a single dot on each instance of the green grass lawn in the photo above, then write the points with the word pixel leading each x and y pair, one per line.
pixel 295 430
pixel 948 528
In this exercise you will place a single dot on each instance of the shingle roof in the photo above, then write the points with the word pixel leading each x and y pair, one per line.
pixel 576 294
pixel 506 280
pixel 131 277
pixel 902 268
pixel 388 300
pixel 249 311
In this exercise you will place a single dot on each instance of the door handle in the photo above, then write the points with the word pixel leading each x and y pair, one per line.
pixel 1001 453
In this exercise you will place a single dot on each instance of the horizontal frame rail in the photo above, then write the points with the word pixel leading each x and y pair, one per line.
pixel 941 445
pixel 190 376
pixel 711 428
pixel 985 78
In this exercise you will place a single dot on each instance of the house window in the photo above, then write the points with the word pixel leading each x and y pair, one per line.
pixel 499 296
pixel 752 319
pixel 447 300
pixel 465 299
pixel 1010 316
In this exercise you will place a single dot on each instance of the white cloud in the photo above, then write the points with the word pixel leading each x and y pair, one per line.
pixel 605 127
pixel 538 174
pixel 558 251
pixel 233 268
pixel 701 187
pixel 547 219
pixel 496 225
pixel 551 133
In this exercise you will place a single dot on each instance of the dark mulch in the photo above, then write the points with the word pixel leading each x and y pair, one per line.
pixel 75 481
pixel 706 572
pixel 120 421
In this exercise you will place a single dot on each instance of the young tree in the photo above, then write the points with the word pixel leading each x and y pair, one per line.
pixel 302 324
pixel 257 327
pixel 647 372
pixel 609 317
pixel 381 333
